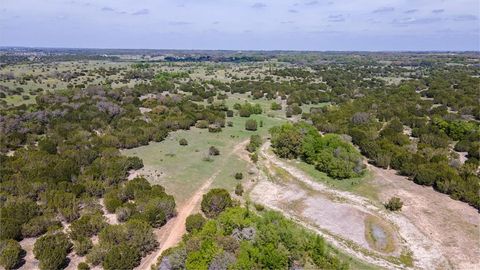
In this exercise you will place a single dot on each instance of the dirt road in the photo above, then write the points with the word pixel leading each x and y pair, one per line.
pixel 171 233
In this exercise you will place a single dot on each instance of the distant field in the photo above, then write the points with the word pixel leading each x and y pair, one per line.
pixel 181 169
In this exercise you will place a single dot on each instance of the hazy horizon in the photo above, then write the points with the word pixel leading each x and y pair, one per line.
pixel 307 25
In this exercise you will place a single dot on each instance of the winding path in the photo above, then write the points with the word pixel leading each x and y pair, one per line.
pixel 171 233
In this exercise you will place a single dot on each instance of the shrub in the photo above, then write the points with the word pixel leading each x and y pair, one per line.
pixel 83 266
pixel 394 204
pixel 96 255
pixel 51 250
pixel 239 176
pixel 134 186
pixel 10 254
pixel 213 151
pixel 244 112
pixel 121 257
pixel 11 229
pixel 154 215
pixel 134 163
pixel 82 245
pixel 239 189
pixel 87 226
pixel 140 236
pixel 255 142
pixel 259 207
pixel 112 200
pixel 276 106
pixel 194 222
pixel 288 112
pixel 229 113
pixel 183 142
pixel 38 226
pixel 215 201
pixel 254 157
pixel 251 125
pixel 201 124
pixel 214 128
pixel 222 261
pixel 48 145
pixel 462 146
pixel 123 213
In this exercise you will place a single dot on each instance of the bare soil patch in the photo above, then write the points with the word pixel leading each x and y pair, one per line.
pixel 451 224
pixel 340 216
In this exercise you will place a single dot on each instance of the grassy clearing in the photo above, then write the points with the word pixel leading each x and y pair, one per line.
pixel 18 100
pixel 359 185
pixel 182 169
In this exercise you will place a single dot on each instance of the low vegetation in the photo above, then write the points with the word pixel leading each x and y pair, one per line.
pixel 239 239
pixel 215 201
pixel 394 204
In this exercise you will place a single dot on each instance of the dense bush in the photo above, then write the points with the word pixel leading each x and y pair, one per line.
pixel 112 200
pixel 10 254
pixel 215 201
pixel 83 266
pixel 239 189
pixel 394 204
pixel 247 109
pixel 379 120
pixel 39 225
pixel 329 153
pixel 51 250
pixel 121 257
pixel 194 222
pixel 251 125
pixel 239 239
pixel 213 151
pixel 11 229
pixel 275 106
pixel 87 226
pixel 255 142
pixel 15 213
pixel 82 245
pixel 239 176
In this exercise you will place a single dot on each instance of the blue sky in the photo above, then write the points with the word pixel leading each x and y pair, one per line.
pixel 239 25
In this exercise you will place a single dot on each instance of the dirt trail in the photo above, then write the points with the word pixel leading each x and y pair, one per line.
pixel 30 261
pixel 427 254
pixel 171 233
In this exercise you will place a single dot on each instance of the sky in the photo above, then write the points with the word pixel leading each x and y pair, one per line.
pixel 319 25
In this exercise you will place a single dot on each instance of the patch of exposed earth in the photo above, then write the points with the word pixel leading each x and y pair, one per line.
pixel 451 224
pixel 341 217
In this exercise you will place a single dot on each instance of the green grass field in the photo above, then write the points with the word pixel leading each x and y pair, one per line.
pixel 358 185
pixel 182 169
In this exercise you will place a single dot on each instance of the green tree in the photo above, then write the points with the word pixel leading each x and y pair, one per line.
pixel 194 222
pixel 215 201
pixel 251 125
pixel 51 250
pixel 121 257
